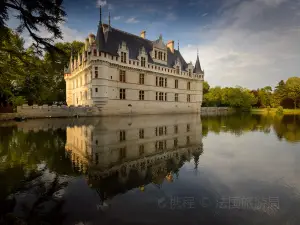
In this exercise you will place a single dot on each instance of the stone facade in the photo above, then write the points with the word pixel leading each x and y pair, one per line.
pixel 156 80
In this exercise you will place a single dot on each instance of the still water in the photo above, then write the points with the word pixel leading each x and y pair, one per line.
pixel 183 169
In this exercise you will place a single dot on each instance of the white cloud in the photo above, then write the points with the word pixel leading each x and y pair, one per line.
pixel 116 17
pixel 204 14
pixel 171 16
pixel 101 3
pixel 132 20
pixel 254 44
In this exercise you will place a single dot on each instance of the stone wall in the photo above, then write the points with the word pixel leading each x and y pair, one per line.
pixel 36 111
pixel 215 110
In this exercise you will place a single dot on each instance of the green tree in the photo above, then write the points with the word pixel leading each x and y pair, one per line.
pixel 205 87
pixel 293 89
pixel 265 96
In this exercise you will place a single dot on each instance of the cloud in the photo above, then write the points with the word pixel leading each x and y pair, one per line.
pixel 204 14
pixel 116 17
pixel 101 3
pixel 171 16
pixel 252 44
pixel 132 20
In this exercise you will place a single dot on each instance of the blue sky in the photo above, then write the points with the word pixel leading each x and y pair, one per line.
pixel 250 43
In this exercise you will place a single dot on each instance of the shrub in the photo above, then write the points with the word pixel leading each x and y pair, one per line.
pixel 279 110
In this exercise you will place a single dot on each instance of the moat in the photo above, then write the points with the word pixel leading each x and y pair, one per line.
pixel 183 169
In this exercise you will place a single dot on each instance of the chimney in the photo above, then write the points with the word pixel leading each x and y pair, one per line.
pixel 143 34
pixel 91 38
pixel 86 44
pixel 170 45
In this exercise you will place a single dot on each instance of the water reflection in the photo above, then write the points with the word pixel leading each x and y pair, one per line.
pixel 104 170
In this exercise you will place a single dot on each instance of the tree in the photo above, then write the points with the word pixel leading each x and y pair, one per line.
pixel 279 94
pixel 213 97
pixel 264 96
pixel 34 15
pixel 293 89
pixel 205 87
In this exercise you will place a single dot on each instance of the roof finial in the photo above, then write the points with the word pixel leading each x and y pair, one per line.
pixel 197 52
pixel 100 22
pixel 109 19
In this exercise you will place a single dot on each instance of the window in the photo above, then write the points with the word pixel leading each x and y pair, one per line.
pixel 160 55
pixel 164 56
pixel 161 81
pixel 175 143
pixel 156 96
pixel 177 69
pixel 161 96
pixel 123 57
pixel 141 150
pixel 105 55
pixel 112 57
pixel 189 85
pixel 122 76
pixel 165 82
pixel 175 129
pixel 122 153
pixel 155 55
pixel 187 128
pixel 96 71
pixel 188 98
pixel 96 89
pixel 95 52
pixel 176 83
pixel 143 61
pixel 141 133
pixel 122 94
pixel 142 78
pixel 166 97
pixel 165 130
pixel 122 135
pixel 188 140
pixel 85 95
pixel 176 97
pixel 161 131
pixel 190 72
pixel 156 81
pixel 141 95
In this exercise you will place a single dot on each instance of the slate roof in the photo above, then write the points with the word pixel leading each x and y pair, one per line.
pixel 114 38
pixel 197 68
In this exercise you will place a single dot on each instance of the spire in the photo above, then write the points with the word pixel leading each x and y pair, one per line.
pixel 100 21
pixel 178 45
pixel 197 68
pixel 109 19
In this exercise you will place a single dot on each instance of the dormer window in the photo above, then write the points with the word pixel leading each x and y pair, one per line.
pixel 143 62
pixel 164 56
pixel 190 72
pixel 123 57
pixel 95 52
pixel 155 54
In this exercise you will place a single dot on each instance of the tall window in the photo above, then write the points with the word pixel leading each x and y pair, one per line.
pixel 123 57
pixel 143 61
pixel 95 52
pixel 141 133
pixel 161 96
pixel 122 135
pixel 189 85
pixel 164 56
pixel 122 94
pixel 175 143
pixel 156 96
pixel 166 97
pixel 156 81
pixel 141 95
pixel 142 78
pixel 188 140
pixel 175 129
pixel 190 72
pixel 188 128
pixel 96 71
pixel 177 69
pixel 161 81
pixel 165 82
pixel 122 153
pixel 176 83
pixel 122 76
pixel 188 98
pixel 176 97
pixel 155 55
pixel 141 149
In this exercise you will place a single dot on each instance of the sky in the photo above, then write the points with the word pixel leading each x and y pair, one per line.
pixel 249 43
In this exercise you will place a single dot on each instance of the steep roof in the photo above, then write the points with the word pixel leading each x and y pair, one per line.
pixel 197 68
pixel 114 37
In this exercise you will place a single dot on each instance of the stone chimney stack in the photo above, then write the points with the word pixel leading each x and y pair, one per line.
pixel 170 45
pixel 86 44
pixel 91 38
pixel 143 34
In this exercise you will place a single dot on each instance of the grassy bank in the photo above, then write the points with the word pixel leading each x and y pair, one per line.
pixel 273 111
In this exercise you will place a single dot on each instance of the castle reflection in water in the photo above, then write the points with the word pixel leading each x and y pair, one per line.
pixel 121 153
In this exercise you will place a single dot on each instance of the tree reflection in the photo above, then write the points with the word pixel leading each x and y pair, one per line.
pixel 286 127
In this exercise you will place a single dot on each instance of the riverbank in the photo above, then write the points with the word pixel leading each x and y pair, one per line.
pixel 273 111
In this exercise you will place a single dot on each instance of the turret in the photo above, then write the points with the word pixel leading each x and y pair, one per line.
pixel 197 68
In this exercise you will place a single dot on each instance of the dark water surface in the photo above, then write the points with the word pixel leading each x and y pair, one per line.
pixel 237 170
